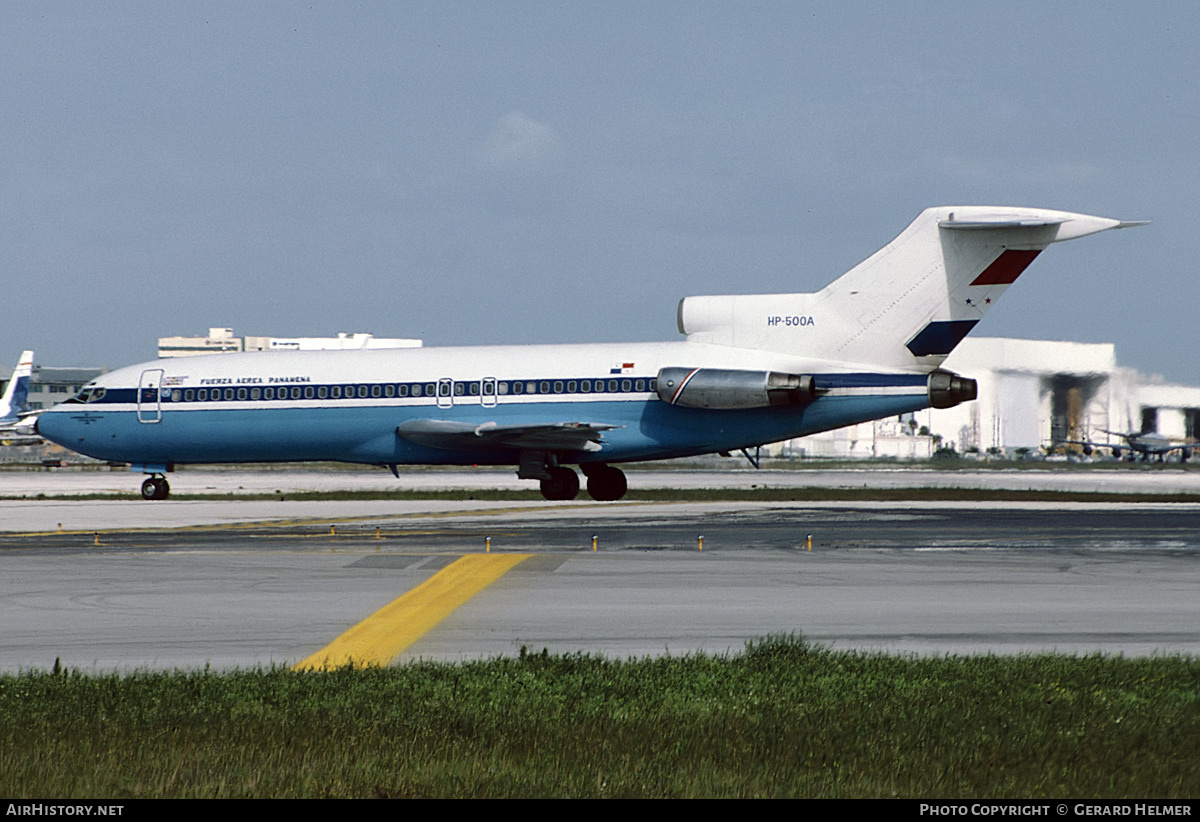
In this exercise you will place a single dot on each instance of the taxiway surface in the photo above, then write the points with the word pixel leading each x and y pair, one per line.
pixel 128 584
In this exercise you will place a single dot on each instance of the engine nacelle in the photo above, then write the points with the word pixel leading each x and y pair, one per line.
pixel 729 388
pixel 947 390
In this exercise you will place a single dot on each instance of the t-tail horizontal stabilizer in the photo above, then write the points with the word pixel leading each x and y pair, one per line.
pixel 907 305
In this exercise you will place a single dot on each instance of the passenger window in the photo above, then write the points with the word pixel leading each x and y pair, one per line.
pixel 202 394
pixel 255 393
pixel 544 387
pixel 626 385
pixel 640 385
pixel 189 395
pixel 460 389
pixel 585 386
pixel 176 395
pixel 308 392
pixel 612 385
pixel 322 392
pixel 403 389
pixel 389 390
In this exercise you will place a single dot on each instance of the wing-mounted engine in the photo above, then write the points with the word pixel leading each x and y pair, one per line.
pixel 730 388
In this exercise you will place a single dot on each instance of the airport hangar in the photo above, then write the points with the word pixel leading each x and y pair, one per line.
pixel 1032 394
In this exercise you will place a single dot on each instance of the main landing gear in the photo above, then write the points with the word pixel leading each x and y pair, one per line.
pixel 604 483
pixel 560 483
pixel 155 487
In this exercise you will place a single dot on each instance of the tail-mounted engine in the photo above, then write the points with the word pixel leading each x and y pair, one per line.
pixel 947 390
pixel 729 388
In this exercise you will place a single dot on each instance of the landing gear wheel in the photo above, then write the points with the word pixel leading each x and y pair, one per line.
pixel 606 483
pixel 155 488
pixel 563 483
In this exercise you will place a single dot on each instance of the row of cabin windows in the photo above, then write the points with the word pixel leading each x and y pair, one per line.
pixel 442 388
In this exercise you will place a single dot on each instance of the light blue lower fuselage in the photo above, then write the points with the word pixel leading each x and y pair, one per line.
pixel 651 429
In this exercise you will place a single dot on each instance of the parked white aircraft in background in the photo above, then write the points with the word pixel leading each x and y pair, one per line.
pixel 16 420
pixel 1146 444
pixel 753 369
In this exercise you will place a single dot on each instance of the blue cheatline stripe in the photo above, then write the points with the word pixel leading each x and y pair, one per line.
pixel 460 391
pixel 940 337
pixel 420 393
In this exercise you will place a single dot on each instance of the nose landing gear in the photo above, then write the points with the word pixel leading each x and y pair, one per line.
pixel 155 487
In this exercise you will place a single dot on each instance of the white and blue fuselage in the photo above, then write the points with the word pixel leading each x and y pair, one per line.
pixel 753 369
pixel 347 405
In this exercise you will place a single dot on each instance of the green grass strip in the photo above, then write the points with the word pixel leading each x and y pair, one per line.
pixel 782 719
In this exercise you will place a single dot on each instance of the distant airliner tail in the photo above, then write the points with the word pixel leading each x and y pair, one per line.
pixel 16 394
pixel 907 305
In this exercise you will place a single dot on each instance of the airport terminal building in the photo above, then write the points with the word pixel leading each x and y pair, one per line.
pixel 1032 394
pixel 223 341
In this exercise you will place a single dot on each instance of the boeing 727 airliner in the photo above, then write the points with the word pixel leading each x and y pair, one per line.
pixel 753 369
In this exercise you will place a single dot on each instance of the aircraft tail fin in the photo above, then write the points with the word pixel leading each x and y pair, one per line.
pixel 16 394
pixel 907 305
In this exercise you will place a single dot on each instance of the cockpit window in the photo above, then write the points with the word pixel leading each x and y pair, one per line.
pixel 89 393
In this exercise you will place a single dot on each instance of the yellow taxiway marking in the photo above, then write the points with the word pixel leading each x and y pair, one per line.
pixel 383 635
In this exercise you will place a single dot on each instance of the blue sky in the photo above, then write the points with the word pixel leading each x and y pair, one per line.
pixel 565 172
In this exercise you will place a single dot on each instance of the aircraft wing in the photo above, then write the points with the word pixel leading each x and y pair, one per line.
pixel 12 440
pixel 454 436
pixel 25 425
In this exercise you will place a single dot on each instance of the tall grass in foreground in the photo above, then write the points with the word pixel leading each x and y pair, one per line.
pixel 784 718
